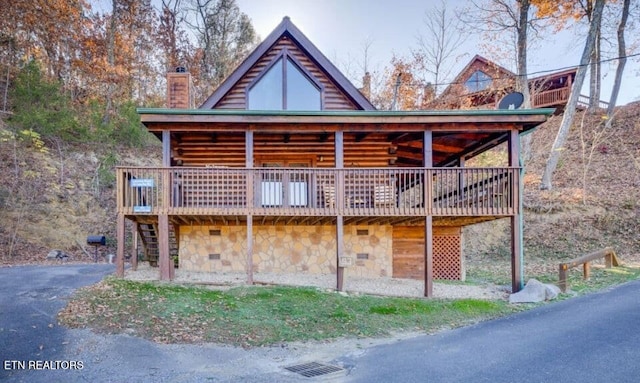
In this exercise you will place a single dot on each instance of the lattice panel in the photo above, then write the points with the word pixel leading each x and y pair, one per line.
pixel 447 257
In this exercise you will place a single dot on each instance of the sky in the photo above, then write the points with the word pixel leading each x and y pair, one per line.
pixel 340 29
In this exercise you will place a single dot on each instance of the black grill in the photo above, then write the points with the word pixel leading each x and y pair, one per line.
pixel 96 240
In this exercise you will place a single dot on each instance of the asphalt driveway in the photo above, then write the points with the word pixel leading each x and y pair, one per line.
pixel 30 299
pixel 594 338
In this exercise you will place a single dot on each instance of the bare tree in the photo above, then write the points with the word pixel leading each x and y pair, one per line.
pixel 438 45
pixel 570 109
pixel 494 18
pixel 622 52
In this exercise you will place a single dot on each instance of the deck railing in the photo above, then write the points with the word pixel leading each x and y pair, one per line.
pixel 560 96
pixel 550 97
pixel 318 192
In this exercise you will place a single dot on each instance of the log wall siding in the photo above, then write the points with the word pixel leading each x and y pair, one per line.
pixel 332 97
pixel 204 150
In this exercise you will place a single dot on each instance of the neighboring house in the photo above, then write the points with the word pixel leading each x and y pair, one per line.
pixel 288 168
pixel 482 84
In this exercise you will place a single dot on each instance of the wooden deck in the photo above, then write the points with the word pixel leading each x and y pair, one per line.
pixel 313 192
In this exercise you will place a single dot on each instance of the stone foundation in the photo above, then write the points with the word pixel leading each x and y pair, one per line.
pixel 287 249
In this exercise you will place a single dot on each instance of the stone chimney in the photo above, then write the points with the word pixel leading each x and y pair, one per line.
pixel 366 85
pixel 428 95
pixel 179 95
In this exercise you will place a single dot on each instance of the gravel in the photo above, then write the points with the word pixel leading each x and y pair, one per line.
pixel 383 286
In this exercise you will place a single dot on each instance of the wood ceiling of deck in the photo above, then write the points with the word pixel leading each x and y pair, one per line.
pixel 374 149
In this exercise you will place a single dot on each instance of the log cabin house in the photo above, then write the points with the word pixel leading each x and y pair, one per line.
pixel 288 168
pixel 481 84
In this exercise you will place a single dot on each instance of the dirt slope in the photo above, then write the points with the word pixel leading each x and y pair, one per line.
pixel 594 203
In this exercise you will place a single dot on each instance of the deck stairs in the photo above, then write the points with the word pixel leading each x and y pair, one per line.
pixel 149 236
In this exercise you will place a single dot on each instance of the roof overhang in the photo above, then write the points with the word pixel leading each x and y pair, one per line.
pixel 157 120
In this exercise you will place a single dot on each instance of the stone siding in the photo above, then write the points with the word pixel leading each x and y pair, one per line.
pixel 286 249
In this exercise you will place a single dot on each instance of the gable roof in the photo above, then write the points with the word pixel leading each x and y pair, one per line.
pixel 478 62
pixel 286 27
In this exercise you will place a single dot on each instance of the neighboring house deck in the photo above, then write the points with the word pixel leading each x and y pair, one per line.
pixel 306 176
pixel 481 84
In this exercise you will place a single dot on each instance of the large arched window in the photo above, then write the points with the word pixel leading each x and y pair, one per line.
pixel 285 86
pixel 478 81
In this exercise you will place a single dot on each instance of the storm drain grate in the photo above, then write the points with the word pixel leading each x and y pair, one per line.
pixel 313 369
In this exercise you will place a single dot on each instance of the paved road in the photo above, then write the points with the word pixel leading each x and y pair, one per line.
pixel 594 338
pixel 589 339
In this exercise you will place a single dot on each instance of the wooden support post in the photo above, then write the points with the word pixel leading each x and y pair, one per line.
pixel 562 281
pixel 120 239
pixel 428 257
pixel 134 246
pixel 586 269
pixel 516 227
pixel 427 162
pixel 165 262
pixel 340 192
pixel 461 184
pixel 249 249
pixel 248 159
pixel 516 276
pixel 339 252
pixel 166 148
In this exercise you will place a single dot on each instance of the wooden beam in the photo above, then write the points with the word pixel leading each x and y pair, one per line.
pixel 428 257
pixel 339 156
pixel 516 224
pixel 120 234
pixel 134 246
pixel 166 148
pixel 250 250
pixel 165 262
pixel 427 162
pixel 456 120
pixel 339 253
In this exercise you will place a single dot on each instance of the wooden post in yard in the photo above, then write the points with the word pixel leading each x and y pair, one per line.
pixel 120 229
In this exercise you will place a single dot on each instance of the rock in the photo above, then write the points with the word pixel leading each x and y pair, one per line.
pixel 57 254
pixel 535 291
pixel 552 291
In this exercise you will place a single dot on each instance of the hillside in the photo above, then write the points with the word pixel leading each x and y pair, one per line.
pixel 52 195
pixel 595 201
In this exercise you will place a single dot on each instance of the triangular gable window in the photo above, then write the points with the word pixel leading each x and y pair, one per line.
pixel 285 87
pixel 478 81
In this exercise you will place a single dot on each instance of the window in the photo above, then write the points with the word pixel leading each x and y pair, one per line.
pixel 478 81
pixel 289 189
pixel 266 94
pixel 284 87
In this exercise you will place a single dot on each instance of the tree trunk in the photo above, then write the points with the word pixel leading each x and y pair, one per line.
pixel 570 109
pixel 111 48
pixel 522 82
pixel 595 75
pixel 622 53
